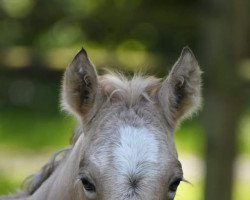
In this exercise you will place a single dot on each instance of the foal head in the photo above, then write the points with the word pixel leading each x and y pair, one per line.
pixel 128 150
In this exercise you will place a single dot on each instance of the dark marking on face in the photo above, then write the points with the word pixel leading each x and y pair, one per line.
pixel 133 182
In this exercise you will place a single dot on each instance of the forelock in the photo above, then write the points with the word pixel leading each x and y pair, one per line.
pixel 117 87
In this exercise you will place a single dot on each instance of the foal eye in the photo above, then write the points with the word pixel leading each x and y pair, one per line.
pixel 88 186
pixel 174 185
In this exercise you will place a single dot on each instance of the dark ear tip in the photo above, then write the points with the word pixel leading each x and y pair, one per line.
pixel 83 51
pixel 81 55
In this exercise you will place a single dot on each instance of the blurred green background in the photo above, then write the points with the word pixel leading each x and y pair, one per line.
pixel 38 38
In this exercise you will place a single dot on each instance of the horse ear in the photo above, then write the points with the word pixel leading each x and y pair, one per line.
pixel 180 93
pixel 79 85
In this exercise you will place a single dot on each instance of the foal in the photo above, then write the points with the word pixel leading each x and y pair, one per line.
pixel 123 148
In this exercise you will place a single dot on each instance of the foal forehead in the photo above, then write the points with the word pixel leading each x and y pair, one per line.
pixel 125 147
pixel 135 161
pixel 135 151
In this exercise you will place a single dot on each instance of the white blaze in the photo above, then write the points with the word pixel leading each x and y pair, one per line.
pixel 136 152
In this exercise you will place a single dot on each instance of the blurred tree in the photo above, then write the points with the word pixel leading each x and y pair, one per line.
pixel 224 46
pixel 41 26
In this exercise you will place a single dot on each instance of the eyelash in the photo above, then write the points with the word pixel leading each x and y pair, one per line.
pixel 174 185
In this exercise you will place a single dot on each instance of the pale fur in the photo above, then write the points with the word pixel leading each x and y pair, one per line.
pixel 129 90
pixel 137 150
pixel 124 140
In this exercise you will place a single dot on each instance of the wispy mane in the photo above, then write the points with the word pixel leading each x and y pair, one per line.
pixel 117 86
pixel 34 182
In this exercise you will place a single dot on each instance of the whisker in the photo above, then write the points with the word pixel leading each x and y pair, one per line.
pixel 186 181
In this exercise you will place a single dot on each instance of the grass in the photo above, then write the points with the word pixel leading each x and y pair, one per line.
pixel 190 191
pixel 190 138
pixel 7 185
pixel 32 130
pixel 241 191
pixel 195 191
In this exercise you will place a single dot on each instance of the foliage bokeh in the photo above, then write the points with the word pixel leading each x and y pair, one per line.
pixel 38 38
